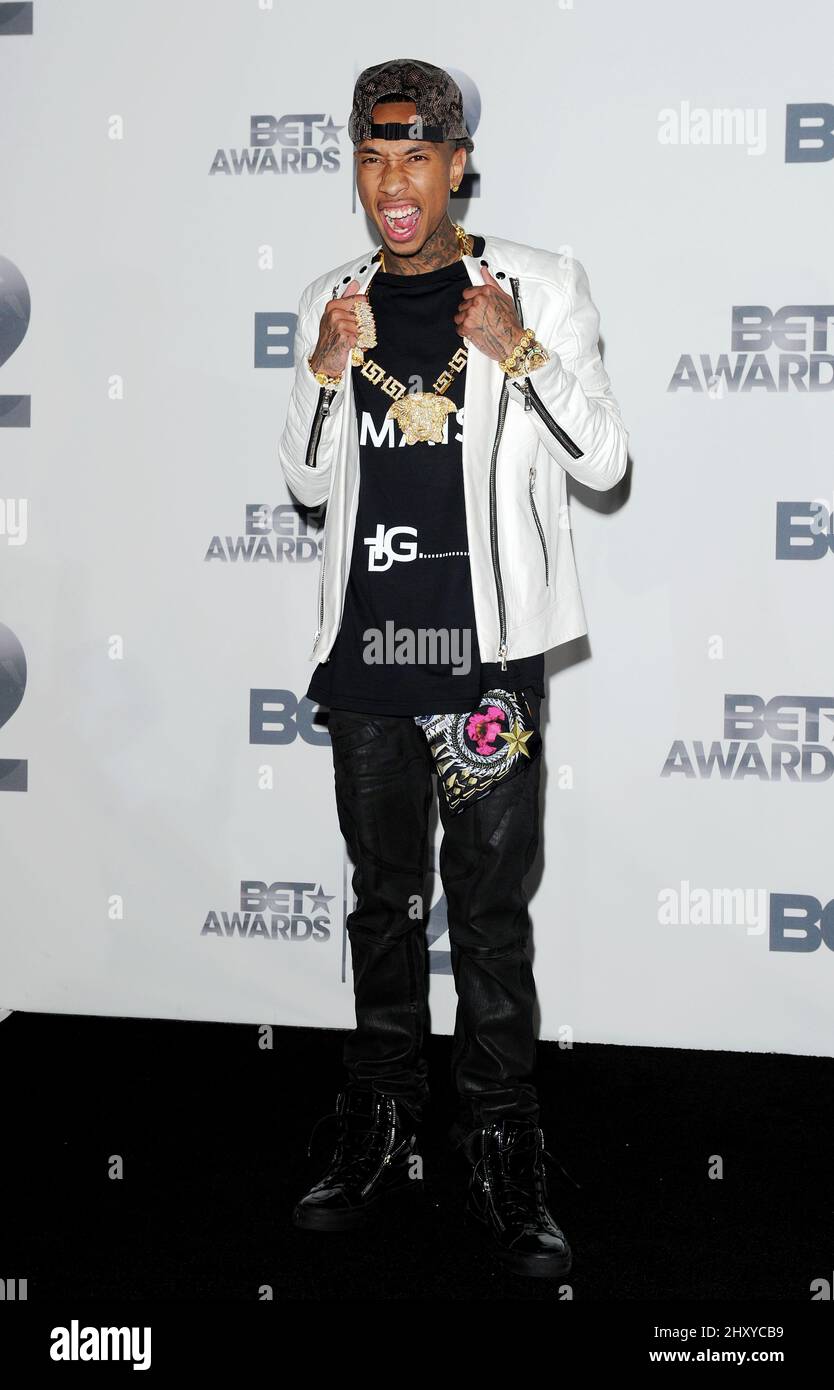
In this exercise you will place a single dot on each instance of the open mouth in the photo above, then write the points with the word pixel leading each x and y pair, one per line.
pixel 402 221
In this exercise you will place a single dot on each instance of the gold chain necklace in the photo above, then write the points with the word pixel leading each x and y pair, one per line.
pixel 421 415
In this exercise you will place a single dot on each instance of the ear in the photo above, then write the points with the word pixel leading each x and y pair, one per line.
pixel 457 166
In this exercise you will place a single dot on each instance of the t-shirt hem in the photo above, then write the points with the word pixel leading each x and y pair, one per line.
pixel 361 705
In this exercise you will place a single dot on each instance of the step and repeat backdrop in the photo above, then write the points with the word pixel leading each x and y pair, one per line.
pixel 172 177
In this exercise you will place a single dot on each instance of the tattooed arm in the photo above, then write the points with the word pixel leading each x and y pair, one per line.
pixel 326 337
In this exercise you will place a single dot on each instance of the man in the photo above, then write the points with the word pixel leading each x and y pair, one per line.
pixel 445 386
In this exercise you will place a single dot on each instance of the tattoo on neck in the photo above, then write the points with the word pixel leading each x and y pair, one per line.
pixel 441 249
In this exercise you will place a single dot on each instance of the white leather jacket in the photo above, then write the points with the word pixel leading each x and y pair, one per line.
pixel 520 438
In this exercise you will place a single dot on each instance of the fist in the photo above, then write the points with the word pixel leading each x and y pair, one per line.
pixel 487 318
pixel 338 331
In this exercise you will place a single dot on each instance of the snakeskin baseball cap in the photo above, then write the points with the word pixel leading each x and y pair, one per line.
pixel 435 93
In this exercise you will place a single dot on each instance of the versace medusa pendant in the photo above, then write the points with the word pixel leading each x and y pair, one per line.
pixel 422 416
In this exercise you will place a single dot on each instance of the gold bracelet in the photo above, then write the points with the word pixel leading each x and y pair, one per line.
pixel 509 362
pixel 531 357
pixel 322 378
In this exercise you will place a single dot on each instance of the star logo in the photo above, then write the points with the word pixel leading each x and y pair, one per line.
pixel 329 131
pixel 517 740
pixel 320 900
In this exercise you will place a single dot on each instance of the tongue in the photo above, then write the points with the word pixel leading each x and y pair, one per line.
pixel 404 226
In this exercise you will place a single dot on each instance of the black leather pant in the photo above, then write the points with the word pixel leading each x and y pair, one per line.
pixel 384 785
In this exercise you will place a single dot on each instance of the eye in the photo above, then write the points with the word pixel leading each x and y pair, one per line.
pixel 417 156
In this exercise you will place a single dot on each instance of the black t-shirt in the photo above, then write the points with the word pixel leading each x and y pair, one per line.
pixel 409 591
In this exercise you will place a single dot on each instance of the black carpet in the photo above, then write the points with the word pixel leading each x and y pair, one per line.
pixel 212 1131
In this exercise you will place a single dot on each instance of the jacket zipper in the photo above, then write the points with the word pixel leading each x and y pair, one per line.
pixel 493 531
pixel 532 399
pixel 532 484
pixel 321 595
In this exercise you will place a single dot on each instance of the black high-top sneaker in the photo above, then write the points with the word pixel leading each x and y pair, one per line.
pixel 373 1161
pixel 508 1196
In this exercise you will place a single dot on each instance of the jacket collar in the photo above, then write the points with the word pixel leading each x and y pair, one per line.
pixel 369 264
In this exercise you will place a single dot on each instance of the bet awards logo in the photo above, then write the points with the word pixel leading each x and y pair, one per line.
pixel 292 144
pixel 805 530
pixel 775 740
pixel 16 19
pixel 280 717
pixel 796 337
pixel 809 132
pixel 273 535
pixel 799 922
pixel 274 912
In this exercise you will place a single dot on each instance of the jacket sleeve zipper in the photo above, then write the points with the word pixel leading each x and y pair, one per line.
pixel 532 395
pixel 326 394
pixel 533 400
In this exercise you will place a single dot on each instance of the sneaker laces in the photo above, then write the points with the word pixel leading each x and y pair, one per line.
pixel 353 1152
pixel 333 1115
pixel 521 1194
pixel 553 1159
pixel 353 1131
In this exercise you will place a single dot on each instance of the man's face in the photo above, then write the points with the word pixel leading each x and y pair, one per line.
pixel 409 177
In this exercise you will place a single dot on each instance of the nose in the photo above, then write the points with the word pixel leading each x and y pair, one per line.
pixel 392 183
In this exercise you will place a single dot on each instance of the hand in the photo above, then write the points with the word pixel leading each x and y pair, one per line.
pixel 487 317
pixel 338 332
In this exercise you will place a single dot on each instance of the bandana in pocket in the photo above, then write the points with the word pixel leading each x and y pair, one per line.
pixel 474 752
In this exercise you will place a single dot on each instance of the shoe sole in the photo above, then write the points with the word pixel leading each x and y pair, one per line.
pixel 537 1266
pixel 310 1218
